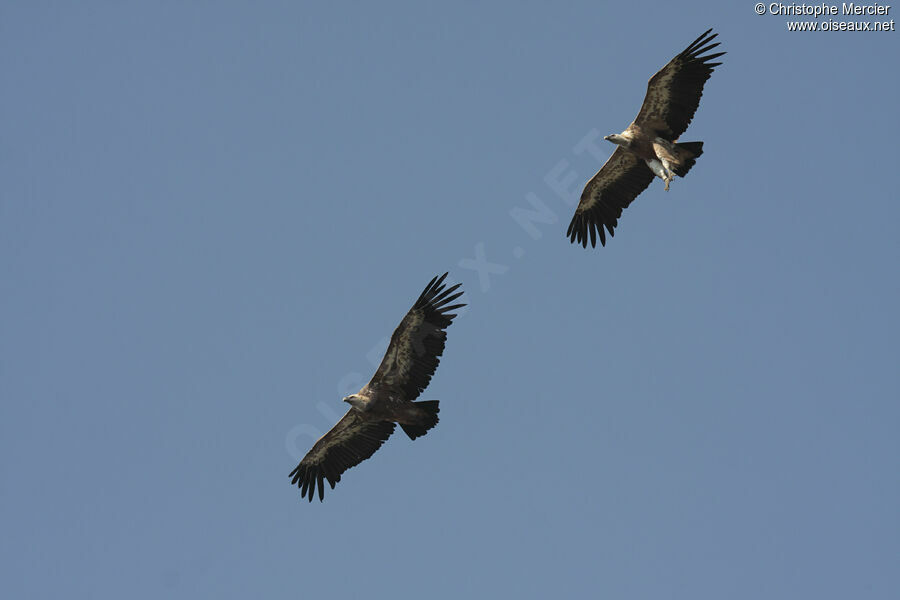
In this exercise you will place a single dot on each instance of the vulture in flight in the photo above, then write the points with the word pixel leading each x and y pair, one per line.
pixel 650 146
pixel 388 399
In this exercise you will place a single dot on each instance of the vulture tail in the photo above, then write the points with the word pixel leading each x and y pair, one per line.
pixel 688 153
pixel 426 417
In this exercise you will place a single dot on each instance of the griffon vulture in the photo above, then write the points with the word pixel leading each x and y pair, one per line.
pixel 411 359
pixel 650 146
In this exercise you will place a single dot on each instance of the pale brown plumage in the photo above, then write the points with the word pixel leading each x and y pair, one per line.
pixel 405 371
pixel 673 95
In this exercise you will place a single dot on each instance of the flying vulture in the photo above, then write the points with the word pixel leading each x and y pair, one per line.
pixel 411 358
pixel 650 146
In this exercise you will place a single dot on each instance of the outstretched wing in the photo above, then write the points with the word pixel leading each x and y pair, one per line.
pixel 352 440
pixel 418 342
pixel 616 184
pixel 673 94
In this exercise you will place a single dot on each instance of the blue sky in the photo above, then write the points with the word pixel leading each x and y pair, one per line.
pixel 213 214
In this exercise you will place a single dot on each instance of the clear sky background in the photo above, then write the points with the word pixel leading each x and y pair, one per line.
pixel 213 214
